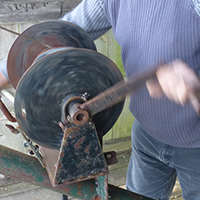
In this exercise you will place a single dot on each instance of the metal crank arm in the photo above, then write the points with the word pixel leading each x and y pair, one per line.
pixel 112 96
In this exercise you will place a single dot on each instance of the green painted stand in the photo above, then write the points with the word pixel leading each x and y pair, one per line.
pixel 26 168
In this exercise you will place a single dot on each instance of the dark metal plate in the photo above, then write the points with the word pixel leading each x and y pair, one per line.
pixel 43 87
pixel 37 39
pixel 81 157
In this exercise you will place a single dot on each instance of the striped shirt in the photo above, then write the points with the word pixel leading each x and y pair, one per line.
pixel 3 67
pixel 90 16
pixel 151 32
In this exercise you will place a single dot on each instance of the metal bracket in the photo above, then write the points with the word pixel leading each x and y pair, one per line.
pixel 80 157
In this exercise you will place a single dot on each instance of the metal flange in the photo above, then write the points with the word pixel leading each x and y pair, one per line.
pixel 40 38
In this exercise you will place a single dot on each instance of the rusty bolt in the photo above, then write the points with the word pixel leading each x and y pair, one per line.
pixel 31 152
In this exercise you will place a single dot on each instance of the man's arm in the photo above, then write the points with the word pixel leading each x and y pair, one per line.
pixel 89 15
pixel 3 73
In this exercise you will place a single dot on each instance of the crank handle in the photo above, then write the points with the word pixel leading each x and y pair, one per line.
pixel 6 112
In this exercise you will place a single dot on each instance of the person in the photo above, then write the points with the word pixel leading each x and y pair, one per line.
pixel 165 132
pixel 4 82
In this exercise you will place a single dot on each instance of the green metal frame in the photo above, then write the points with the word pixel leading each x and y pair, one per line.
pixel 28 169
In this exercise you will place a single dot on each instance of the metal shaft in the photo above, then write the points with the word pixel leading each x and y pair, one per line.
pixel 117 93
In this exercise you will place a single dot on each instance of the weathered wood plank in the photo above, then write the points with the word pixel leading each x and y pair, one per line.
pixel 7 39
pixel 102 44
pixel 114 51
pixel 122 127
pixel 108 46
pixel 24 26
pixel 15 11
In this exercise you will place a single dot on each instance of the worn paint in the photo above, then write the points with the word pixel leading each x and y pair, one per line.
pixel 26 168
pixel 87 149
pixel 15 163
pixel 79 142
pixel 74 162
pixel 102 186
pixel 12 163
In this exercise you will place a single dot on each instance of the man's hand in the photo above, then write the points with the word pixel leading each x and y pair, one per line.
pixel 178 82
pixel 4 83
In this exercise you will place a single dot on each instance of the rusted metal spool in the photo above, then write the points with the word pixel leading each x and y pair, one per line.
pixel 60 61
pixel 40 38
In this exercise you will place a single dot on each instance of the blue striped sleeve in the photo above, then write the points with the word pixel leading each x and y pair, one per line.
pixel 3 67
pixel 89 15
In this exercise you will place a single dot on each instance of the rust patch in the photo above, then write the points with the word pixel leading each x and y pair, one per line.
pixel 79 194
pixel 97 197
pixel 87 149
pixel 79 142
pixel 78 185
pixel 92 188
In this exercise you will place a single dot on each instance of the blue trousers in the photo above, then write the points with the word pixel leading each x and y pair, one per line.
pixel 154 167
